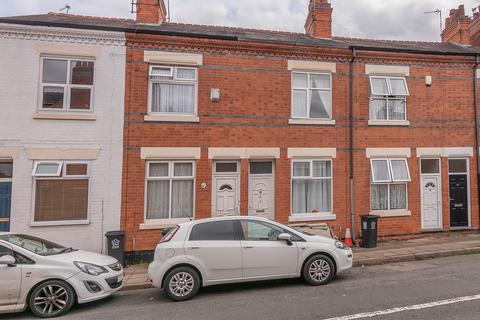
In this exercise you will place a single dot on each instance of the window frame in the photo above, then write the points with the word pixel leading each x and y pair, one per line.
pixel 388 97
pixel 308 89
pixel 171 177
pixel 67 86
pixel 174 80
pixel 63 176
pixel 310 177
pixel 215 172
pixel 390 182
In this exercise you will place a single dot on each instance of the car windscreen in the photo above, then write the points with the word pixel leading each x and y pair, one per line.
pixel 36 245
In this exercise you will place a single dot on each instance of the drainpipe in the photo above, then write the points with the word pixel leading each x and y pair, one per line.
pixel 350 127
pixel 475 106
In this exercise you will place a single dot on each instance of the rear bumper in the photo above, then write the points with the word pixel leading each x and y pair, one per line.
pixel 156 272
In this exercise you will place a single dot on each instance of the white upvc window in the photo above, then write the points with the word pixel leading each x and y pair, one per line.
pixel 390 179
pixel 311 95
pixel 66 84
pixel 312 186
pixel 61 191
pixel 172 90
pixel 169 190
pixel 388 100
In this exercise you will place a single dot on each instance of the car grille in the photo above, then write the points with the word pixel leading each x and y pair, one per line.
pixel 116 267
pixel 113 282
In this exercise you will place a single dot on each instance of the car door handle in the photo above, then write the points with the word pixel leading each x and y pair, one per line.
pixel 248 247
pixel 194 248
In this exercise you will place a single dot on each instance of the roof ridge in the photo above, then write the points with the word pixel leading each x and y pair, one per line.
pixel 60 14
pixel 387 40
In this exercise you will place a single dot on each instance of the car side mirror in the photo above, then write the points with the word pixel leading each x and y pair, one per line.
pixel 7 260
pixel 285 237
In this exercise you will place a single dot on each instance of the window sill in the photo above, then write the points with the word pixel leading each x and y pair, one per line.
pixel 162 223
pixel 59 223
pixel 312 217
pixel 171 118
pixel 391 213
pixel 311 122
pixel 388 123
pixel 59 116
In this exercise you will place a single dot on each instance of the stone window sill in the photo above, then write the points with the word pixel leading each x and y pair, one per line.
pixel 171 118
pixel 312 217
pixel 161 223
pixel 65 116
pixel 311 122
pixel 391 213
pixel 59 223
pixel 388 123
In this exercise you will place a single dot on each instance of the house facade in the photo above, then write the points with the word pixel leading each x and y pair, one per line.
pixel 61 132
pixel 302 128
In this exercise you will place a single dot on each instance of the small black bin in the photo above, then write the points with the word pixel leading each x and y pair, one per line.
pixel 369 231
pixel 115 245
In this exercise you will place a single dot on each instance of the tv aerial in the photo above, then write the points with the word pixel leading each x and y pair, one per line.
pixel 437 12
pixel 66 8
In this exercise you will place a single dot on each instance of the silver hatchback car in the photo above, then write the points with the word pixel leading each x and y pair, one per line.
pixel 241 249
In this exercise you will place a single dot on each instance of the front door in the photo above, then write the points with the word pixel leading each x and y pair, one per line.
pixel 261 193
pixel 6 169
pixel 431 194
pixel 226 185
pixel 458 186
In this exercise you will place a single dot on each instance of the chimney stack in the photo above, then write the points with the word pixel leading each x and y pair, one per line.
pixel 319 20
pixel 457 27
pixel 151 11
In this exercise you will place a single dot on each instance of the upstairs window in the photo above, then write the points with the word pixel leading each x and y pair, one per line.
pixel 67 84
pixel 173 90
pixel 389 184
pixel 388 101
pixel 311 95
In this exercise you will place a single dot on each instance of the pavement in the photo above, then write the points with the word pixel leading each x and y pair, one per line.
pixel 427 247
pixel 436 289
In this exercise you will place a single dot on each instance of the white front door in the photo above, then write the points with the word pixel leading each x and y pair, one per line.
pixel 226 189
pixel 431 202
pixel 261 193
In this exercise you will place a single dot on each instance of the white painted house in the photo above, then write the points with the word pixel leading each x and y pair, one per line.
pixel 61 132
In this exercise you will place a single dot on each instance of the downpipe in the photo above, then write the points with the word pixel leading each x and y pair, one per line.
pixel 350 127
pixel 475 106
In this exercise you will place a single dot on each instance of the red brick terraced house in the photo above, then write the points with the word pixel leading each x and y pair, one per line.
pixel 303 128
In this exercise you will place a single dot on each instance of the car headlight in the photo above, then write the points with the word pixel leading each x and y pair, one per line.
pixel 90 269
pixel 341 245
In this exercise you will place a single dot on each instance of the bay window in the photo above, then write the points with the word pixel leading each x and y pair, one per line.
pixel 173 90
pixel 169 190
pixel 66 84
pixel 311 186
pixel 311 95
pixel 61 191
pixel 388 101
pixel 389 184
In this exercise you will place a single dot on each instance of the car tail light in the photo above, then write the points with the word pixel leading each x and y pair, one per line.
pixel 170 234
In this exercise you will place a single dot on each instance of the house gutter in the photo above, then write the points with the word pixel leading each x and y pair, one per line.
pixel 475 107
pixel 350 129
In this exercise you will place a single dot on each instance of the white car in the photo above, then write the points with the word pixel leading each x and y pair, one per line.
pixel 241 249
pixel 49 278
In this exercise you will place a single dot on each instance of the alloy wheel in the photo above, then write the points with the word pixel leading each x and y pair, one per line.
pixel 51 299
pixel 181 284
pixel 319 270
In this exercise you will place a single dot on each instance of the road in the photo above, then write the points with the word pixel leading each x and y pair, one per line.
pixel 427 287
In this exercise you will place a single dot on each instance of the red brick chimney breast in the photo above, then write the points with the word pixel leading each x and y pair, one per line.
pixel 151 11
pixel 319 19
pixel 457 27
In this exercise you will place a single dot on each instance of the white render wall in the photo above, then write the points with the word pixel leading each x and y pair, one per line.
pixel 21 47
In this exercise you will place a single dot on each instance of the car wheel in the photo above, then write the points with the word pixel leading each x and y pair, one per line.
pixel 51 299
pixel 318 270
pixel 181 284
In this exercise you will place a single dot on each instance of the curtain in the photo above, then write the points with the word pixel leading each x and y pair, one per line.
pixel 378 109
pixel 396 110
pixel 158 199
pixel 301 169
pixel 319 81
pixel 379 86
pixel 172 97
pixel 380 170
pixel 399 170
pixel 398 196
pixel 158 170
pixel 379 197
pixel 182 199
pixel 300 103
pixel 311 195
pixel 183 170
pixel 398 87
pixel 322 169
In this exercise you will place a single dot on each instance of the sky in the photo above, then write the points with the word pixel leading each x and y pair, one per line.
pixel 376 19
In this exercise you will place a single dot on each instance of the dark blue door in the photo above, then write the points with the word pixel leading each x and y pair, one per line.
pixel 5 205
